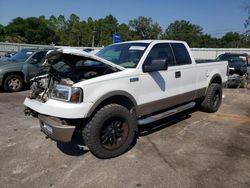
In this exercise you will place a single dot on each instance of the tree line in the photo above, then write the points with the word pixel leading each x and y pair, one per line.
pixel 75 32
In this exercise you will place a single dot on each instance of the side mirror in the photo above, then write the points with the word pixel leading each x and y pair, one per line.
pixel 156 65
pixel 33 61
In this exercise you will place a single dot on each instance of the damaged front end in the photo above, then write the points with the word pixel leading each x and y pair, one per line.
pixel 39 87
pixel 54 99
pixel 49 86
pixel 42 86
pixel 64 69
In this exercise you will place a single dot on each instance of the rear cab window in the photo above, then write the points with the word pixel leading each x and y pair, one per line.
pixel 181 54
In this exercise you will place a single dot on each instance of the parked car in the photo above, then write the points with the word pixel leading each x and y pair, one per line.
pixel 238 63
pixel 106 96
pixel 7 55
pixel 16 72
pixel 21 56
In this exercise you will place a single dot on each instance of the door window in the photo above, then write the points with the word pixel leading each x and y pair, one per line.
pixel 161 51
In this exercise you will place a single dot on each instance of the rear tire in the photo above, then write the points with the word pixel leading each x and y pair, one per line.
pixel 243 83
pixel 13 83
pixel 110 132
pixel 213 99
pixel 234 81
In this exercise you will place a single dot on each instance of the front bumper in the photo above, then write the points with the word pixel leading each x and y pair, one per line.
pixel 59 108
pixel 55 129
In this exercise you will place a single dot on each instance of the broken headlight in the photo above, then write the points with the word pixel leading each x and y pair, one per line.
pixel 66 93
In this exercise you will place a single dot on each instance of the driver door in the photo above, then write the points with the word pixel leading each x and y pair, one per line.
pixel 159 89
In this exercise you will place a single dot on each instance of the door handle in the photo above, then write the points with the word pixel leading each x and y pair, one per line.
pixel 177 74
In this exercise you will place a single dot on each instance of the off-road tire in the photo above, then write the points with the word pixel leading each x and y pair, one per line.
pixel 93 130
pixel 13 83
pixel 213 98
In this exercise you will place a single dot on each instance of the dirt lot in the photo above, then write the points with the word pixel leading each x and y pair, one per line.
pixel 197 150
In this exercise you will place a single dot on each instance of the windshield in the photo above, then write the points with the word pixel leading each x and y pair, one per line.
pixel 21 56
pixel 126 55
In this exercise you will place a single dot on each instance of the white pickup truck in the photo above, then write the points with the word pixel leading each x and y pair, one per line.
pixel 108 95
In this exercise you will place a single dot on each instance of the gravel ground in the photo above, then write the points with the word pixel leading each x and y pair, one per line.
pixel 195 150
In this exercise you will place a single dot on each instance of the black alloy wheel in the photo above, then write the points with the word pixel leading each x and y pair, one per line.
pixel 110 132
pixel 114 133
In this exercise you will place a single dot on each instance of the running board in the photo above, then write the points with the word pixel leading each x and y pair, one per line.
pixel 165 114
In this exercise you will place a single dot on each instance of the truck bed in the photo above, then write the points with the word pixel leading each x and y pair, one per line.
pixel 198 61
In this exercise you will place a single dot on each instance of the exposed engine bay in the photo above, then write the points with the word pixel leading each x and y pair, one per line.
pixel 66 69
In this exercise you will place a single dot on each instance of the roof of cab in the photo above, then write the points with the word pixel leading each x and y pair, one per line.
pixel 150 41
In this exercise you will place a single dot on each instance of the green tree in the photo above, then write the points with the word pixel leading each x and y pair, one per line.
pixel 104 28
pixel 206 41
pixel 184 30
pixel 30 30
pixel 125 33
pixel 2 33
pixel 233 40
pixel 73 30
pixel 91 28
pixel 15 30
pixel 85 35
pixel 59 26
pixel 247 21
pixel 145 28
pixel 247 24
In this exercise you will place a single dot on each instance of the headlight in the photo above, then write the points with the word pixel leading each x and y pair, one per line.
pixel 66 93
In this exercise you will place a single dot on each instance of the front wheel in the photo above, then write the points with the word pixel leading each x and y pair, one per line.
pixel 110 132
pixel 213 98
pixel 13 83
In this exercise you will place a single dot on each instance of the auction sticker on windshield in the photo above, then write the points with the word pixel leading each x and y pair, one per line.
pixel 137 48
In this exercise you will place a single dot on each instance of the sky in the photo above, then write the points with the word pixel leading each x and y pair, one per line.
pixel 216 17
